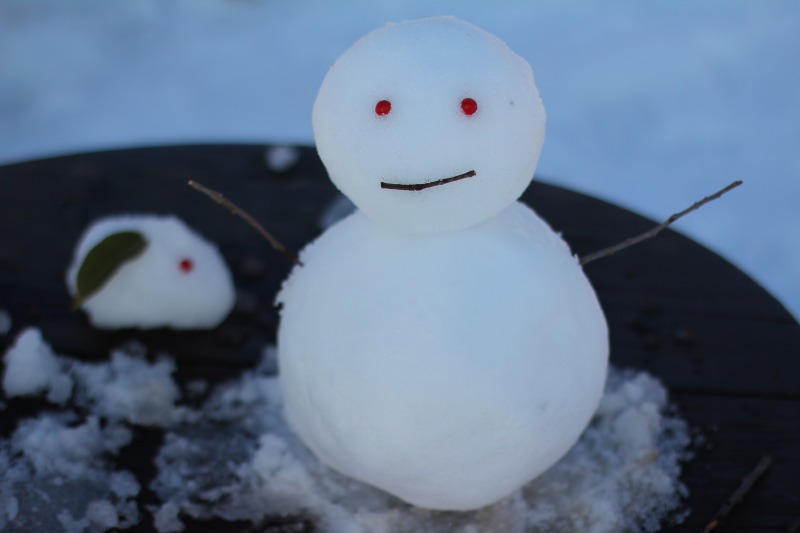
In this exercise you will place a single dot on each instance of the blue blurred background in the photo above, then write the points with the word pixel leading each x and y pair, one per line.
pixel 651 105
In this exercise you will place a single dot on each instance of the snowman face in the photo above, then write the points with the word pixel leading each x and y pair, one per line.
pixel 429 125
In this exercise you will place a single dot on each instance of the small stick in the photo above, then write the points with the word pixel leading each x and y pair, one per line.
pixel 655 231
pixel 238 211
pixel 423 186
pixel 737 497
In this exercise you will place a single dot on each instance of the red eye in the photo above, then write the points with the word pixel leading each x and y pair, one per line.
pixel 383 107
pixel 469 106
pixel 186 266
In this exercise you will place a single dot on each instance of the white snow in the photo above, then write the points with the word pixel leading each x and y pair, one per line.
pixel 128 388
pixel 167 518
pixel 650 105
pixel 58 475
pixel 179 281
pixel 62 461
pixel 600 486
pixel 282 158
pixel 55 448
pixel 31 368
pixel 236 458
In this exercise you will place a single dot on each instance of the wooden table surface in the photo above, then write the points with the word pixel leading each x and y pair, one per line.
pixel 728 352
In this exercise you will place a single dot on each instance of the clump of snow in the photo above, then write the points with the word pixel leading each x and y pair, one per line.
pixel 59 476
pixel 632 451
pixel 32 368
pixel 281 158
pixel 132 389
pixel 179 281
pixel 127 388
pixel 166 518
pixel 55 448
pixel 63 462
pixel 240 461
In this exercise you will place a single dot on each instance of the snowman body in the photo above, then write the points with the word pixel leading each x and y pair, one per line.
pixel 447 369
pixel 441 343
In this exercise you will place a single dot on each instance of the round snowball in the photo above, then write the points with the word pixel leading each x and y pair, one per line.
pixel 179 281
pixel 420 101
pixel 448 370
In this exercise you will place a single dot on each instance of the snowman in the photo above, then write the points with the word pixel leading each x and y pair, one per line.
pixel 441 343
pixel 149 271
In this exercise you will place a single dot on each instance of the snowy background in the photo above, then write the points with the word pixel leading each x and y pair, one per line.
pixel 651 105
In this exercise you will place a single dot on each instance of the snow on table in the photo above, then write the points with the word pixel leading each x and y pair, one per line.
pixel 232 456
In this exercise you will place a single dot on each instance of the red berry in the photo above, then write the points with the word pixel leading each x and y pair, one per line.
pixel 187 266
pixel 383 107
pixel 469 106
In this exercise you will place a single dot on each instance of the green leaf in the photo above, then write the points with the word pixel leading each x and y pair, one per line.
pixel 104 260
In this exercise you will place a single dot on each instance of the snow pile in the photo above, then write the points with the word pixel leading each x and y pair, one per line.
pixel 281 159
pixel 59 476
pixel 235 458
pixel 33 368
pixel 240 461
pixel 58 468
pixel 129 389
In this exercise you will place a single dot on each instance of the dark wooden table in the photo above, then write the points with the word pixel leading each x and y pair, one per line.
pixel 728 352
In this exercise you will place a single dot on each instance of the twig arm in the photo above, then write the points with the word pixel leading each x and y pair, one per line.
pixel 656 230
pixel 238 211
pixel 736 498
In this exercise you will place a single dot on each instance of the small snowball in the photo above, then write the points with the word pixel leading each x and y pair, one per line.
pixel 124 485
pixel 33 368
pixel 167 518
pixel 179 281
pixel 102 513
pixel 282 158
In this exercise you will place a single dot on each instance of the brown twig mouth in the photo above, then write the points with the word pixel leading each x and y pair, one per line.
pixel 428 185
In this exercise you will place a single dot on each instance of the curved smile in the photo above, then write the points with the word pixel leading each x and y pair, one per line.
pixel 428 185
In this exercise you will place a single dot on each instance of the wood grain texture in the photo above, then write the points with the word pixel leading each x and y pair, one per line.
pixel 727 350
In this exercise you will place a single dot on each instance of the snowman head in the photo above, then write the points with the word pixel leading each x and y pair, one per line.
pixel 429 125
